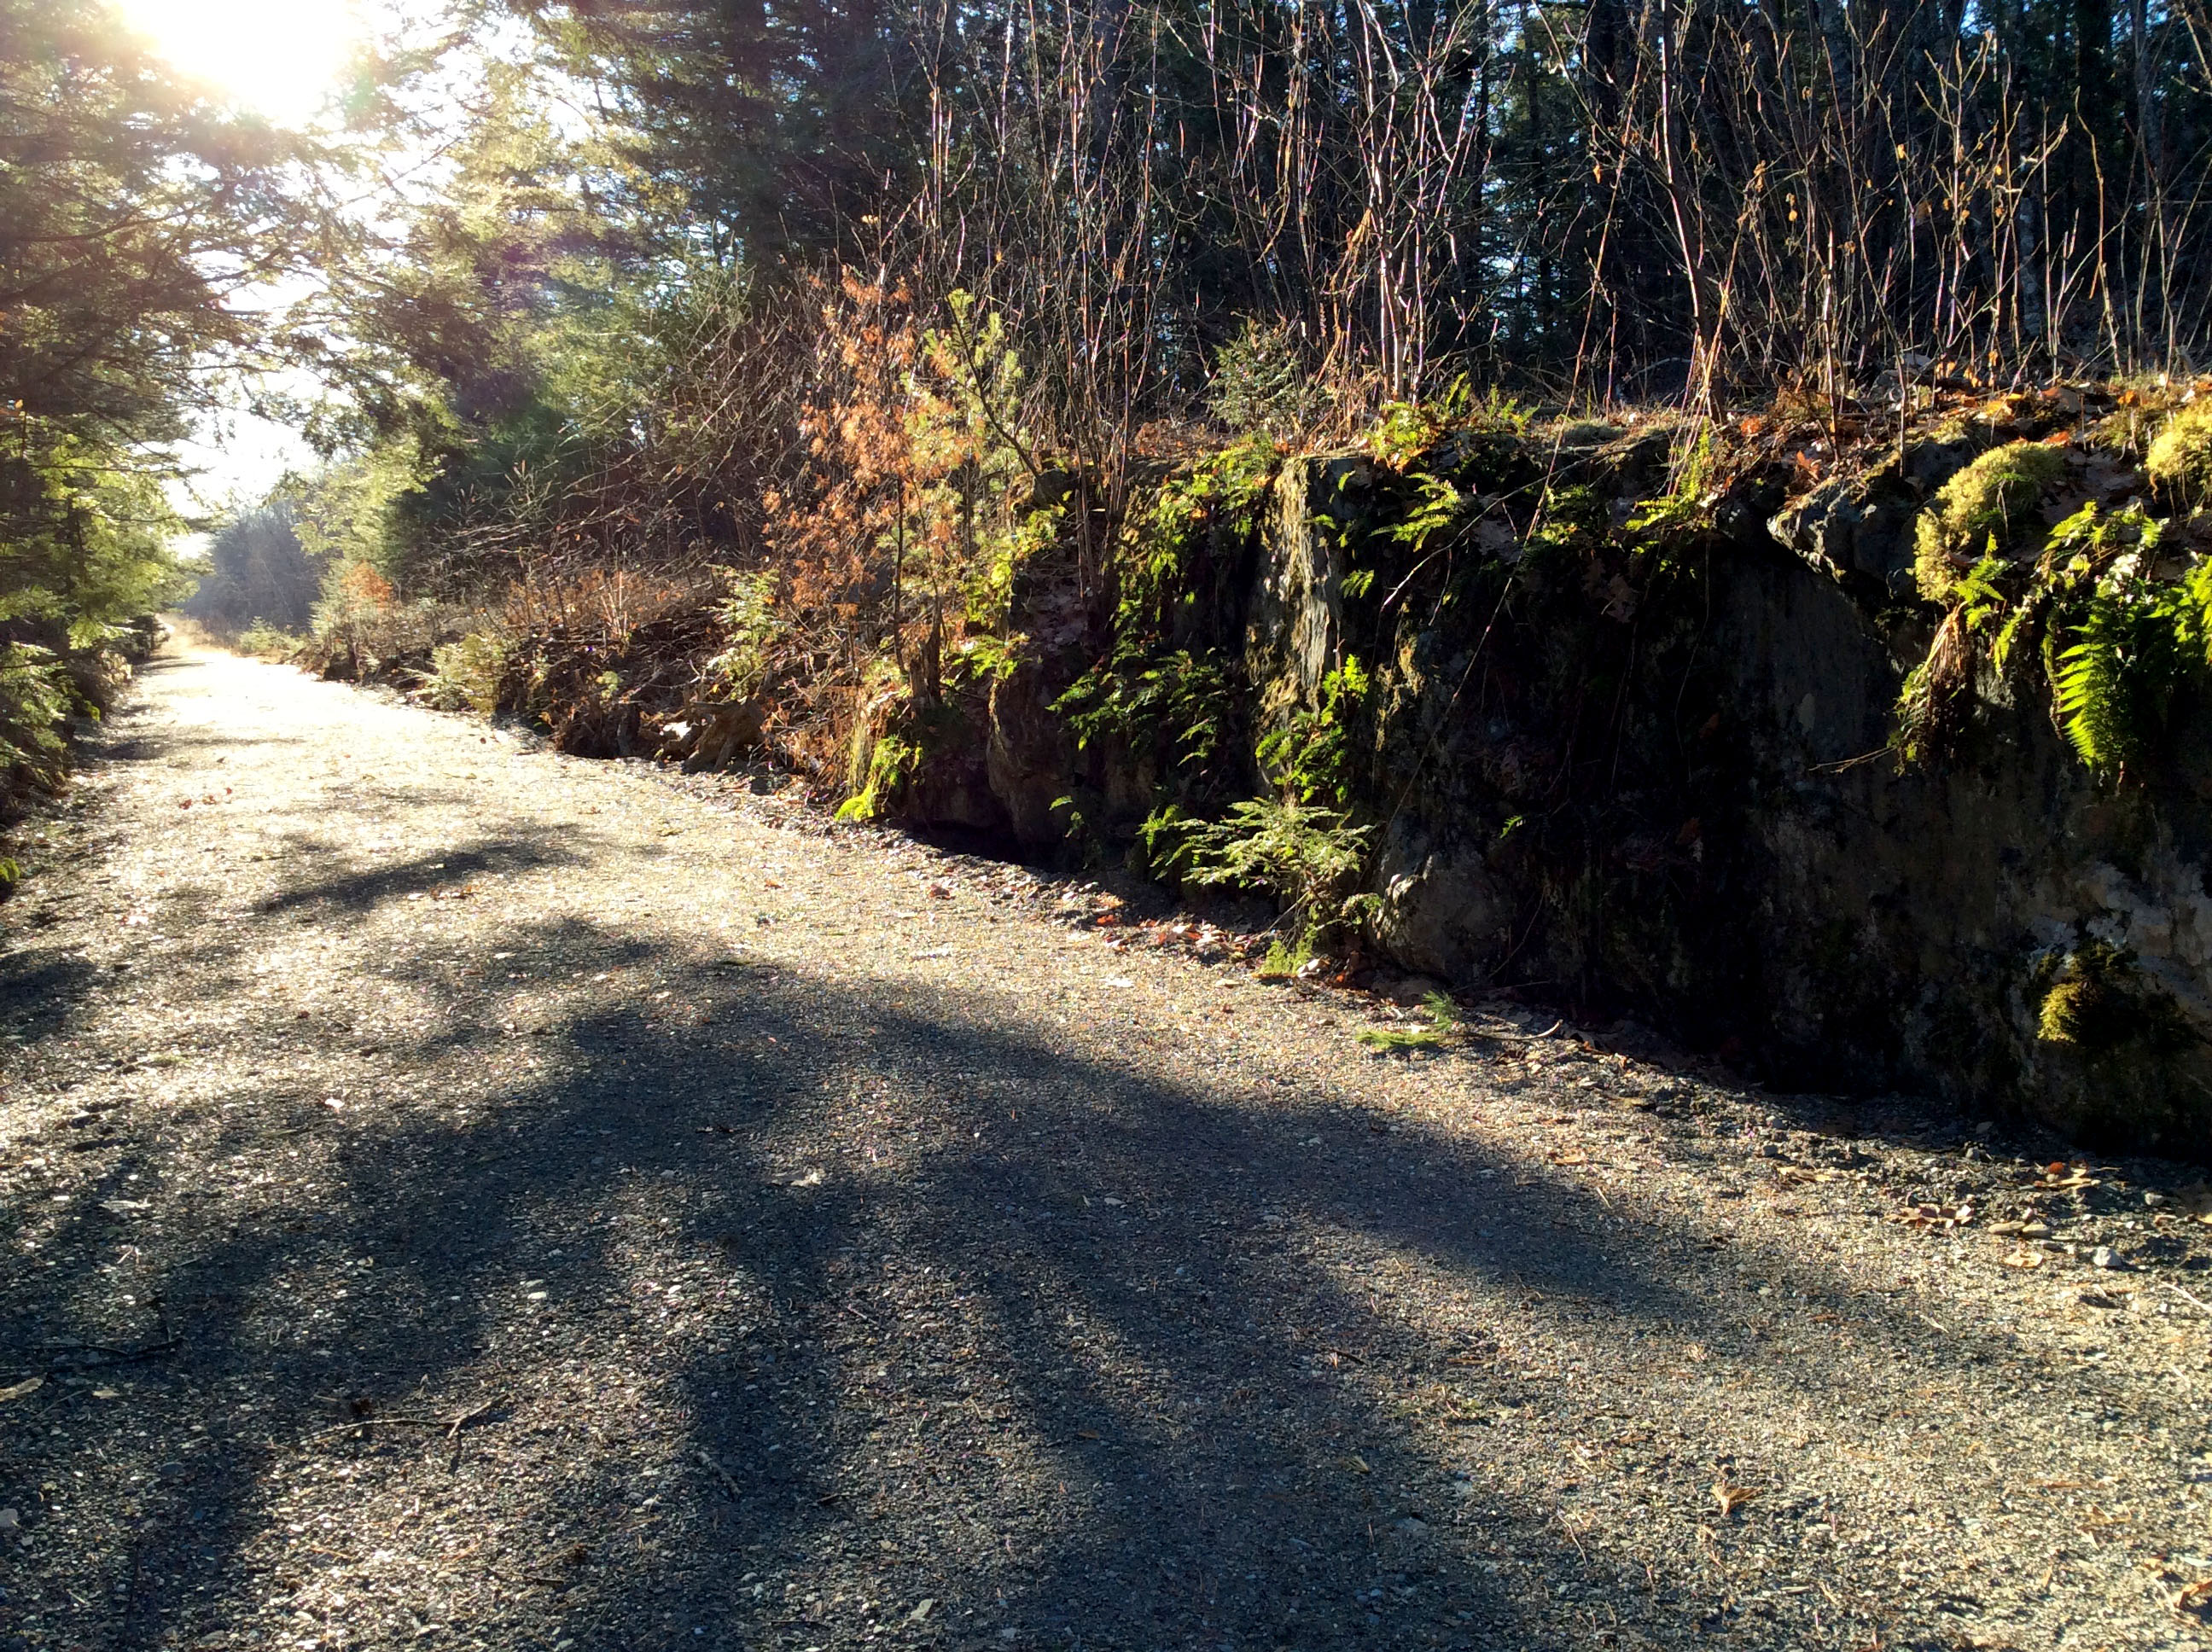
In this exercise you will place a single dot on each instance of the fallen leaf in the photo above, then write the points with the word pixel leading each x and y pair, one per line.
pixel 1732 1498
pixel 921 1612
pixel 1356 1465
pixel 23 1390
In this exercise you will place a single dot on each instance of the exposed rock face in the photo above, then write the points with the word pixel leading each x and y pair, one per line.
pixel 1443 913
pixel 1658 783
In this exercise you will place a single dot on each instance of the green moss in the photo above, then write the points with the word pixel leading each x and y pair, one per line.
pixel 2180 458
pixel 1444 1022
pixel 2085 1014
pixel 2099 1003
pixel 2122 1065
pixel 881 765
pixel 1990 503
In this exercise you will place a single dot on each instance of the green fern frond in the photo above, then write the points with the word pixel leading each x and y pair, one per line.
pixel 2114 683
pixel 2091 693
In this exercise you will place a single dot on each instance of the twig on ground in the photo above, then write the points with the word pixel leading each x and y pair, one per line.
pixel 1516 1037
pixel 727 1479
pixel 2193 1301
pixel 371 1422
pixel 115 1356
pixel 455 1428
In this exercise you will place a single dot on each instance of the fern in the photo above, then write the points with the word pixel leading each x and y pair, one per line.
pixel 2094 693
pixel 1304 854
pixel 2133 645
pixel 2115 644
pixel 1976 591
pixel 1435 510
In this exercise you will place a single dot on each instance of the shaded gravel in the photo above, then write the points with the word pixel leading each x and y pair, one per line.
pixel 458 1195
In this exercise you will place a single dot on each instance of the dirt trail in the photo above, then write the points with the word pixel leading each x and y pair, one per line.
pixel 456 1196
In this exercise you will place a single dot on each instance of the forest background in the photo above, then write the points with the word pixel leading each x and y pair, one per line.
pixel 789 316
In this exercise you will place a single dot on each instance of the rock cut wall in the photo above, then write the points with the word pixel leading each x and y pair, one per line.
pixel 1644 769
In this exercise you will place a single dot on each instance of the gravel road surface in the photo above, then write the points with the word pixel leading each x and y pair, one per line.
pixel 456 1196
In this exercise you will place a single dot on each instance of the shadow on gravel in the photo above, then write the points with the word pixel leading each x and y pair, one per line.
pixel 169 742
pixel 1081 1358
pixel 360 889
pixel 39 988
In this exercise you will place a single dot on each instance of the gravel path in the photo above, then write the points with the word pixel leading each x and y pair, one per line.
pixel 456 1196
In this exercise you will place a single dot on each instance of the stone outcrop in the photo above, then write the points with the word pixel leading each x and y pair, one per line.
pixel 1652 778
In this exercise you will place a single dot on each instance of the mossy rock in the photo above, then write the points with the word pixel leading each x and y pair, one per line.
pixel 2180 458
pixel 2124 1057
pixel 2086 1015
pixel 1991 501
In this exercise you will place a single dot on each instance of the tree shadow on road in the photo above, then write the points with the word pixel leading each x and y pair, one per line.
pixel 766 1316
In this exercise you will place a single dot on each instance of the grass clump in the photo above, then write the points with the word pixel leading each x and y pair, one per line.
pixel 2180 457
pixel 1286 960
pixel 1444 1022
pixel 1981 511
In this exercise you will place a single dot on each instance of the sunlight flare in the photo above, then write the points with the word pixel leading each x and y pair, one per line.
pixel 280 59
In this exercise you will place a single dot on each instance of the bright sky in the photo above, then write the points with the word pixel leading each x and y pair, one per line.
pixel 281 58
